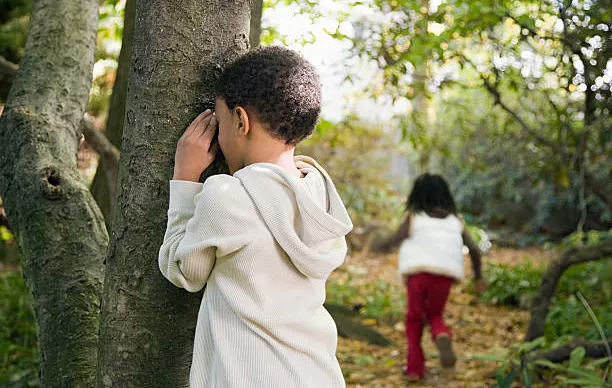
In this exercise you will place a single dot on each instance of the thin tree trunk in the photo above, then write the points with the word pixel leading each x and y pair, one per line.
pixel 255 31
pixel 59 229
pixel 109 154
pixel 103 191
pixel 179 47
pixel 541 303
pixel 423 109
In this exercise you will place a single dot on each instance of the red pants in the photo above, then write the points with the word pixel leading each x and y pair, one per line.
pixel 427 295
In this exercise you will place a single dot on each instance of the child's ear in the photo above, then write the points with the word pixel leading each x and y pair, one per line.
pixel 243 123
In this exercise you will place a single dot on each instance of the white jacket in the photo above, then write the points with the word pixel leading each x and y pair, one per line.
pixel 435 245
pixel 263 242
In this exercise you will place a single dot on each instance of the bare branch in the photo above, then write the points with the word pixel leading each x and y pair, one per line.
pixel 541 303
pixel 492 89
pixel 107 151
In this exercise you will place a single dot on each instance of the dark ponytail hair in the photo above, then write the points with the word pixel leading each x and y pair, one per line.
pixel 430 191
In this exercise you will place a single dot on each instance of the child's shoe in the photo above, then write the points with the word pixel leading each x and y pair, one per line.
pixel 411 377
pixel 445 347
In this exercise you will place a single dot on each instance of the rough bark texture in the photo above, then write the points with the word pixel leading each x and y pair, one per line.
pixel 561 353
pixel 58 227
pixel 179 48
pixel 541 302
pixel 255 31
pixel 103 191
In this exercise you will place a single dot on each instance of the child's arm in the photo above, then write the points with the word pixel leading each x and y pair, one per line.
pixel 179 246
pixel 194 231
pixel 402 233
pixel 476 258
pixel 204 222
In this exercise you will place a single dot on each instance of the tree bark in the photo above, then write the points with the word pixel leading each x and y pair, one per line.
pixel 59 229
pixel 103 191
pixel 255 30
pixel 179 48
pixel 541 302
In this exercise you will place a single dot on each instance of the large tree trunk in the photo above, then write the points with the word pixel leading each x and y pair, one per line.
pixel 103 190
pixel 147 324
pixel 59 228
pixel 541 302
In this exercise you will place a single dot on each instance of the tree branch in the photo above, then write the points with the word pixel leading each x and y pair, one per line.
pixel 594 349
pixel 492 89
pixel 108 152
pixel 541 303
pixel 591 182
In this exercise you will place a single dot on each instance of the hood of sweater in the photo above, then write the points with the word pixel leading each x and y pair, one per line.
pixel 305 215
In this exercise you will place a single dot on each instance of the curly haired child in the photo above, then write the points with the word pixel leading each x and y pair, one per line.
pixel 263 240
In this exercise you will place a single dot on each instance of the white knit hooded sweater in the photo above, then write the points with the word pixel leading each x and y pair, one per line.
pixel 263 243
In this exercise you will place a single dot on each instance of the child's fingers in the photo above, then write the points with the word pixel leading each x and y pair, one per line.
pixel 211 128
pixel 200 129
pixel 197 122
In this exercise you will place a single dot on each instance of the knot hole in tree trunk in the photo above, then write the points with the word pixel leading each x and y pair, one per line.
pixel 51 183
pixel 241 40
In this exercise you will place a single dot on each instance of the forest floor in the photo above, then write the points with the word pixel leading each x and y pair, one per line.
pixel 477 329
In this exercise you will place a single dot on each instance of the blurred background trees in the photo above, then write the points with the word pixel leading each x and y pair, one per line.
pixel 510 100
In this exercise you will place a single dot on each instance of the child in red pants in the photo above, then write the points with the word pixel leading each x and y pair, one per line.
pixel 430 260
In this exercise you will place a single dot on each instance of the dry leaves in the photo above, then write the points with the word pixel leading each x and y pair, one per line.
pixel 478 329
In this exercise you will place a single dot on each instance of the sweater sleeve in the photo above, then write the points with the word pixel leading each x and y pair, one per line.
pixel 475 255
pixel 205 222
pixel 403 232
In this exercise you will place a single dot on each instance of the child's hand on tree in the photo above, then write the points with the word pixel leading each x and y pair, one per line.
pixel 194 152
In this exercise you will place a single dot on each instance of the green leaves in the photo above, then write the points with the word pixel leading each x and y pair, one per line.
pixel 18 333
pixel 5 234
pixel 526 21
pixel 576 371
pixel 576 357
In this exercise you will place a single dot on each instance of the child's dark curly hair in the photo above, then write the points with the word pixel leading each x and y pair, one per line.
pixel 430 191
pixel 279 86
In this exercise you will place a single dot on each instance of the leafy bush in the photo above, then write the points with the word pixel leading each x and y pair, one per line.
pixel 379 300
pixel 511 285
pixel 18 333
pixel 590 238
pixel 577 371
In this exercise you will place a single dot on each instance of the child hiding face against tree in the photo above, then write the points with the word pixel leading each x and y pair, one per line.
pixel 430 259
pixel 263 240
